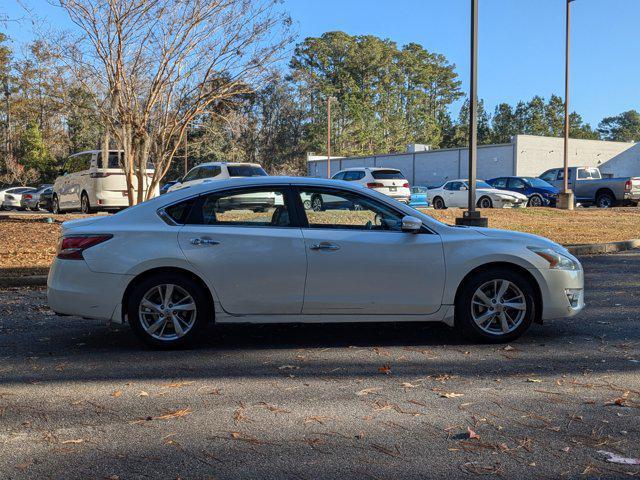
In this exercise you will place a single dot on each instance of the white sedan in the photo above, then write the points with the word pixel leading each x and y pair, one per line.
pixel 172 264
pixel 10 197
pixel 455 193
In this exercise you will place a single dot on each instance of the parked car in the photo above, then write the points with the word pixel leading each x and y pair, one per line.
pixel 589 188
pixel 10 197
pixel 45 202
pixel 165 188
pixel 170 265
pixel 539 192
pixel 88 186
pixel 207 172
pixel 454 193
pixel 419 197
pixel 388 181
pixel 30 200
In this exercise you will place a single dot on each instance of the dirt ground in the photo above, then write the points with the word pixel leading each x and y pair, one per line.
pixel 28 243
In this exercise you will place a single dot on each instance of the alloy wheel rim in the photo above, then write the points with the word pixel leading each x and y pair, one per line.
pixel 317 204
pixel 167 312
pixel 85 201
pixel 536 202
pixel 605 202
pixel 485 203
pixel 498 307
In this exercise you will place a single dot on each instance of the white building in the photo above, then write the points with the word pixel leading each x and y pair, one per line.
pixel 526 155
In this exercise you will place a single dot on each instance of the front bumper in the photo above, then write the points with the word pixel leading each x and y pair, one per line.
pixel 555 287
pixel 73 289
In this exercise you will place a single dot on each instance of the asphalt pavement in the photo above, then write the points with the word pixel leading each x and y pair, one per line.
pixel 79 399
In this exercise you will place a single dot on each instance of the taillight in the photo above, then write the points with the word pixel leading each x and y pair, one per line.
pixel 405 184
pixel 375 185
pixel 628 185
pixel 71 247
pixel 28 197
pixel 99 174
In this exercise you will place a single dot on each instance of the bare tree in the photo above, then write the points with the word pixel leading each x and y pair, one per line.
pixel 15 173
pixel 156 65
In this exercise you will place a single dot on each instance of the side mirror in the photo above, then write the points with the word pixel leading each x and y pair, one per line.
pixel 411 224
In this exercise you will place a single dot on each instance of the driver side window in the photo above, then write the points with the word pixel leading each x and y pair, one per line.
pixel 339 209
pixel 192 175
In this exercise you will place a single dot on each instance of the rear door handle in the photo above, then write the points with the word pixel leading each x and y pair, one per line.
pixel 203 241
pixel 325 246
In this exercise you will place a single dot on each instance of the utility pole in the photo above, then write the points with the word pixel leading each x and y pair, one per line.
pixel 471 216
pixel 566 199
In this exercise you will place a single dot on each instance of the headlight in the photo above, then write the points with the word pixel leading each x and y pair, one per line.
pixel 556 260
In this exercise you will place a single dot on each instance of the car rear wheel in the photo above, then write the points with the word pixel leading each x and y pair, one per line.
pixel 535 201
pixel 168 310
pixel 55 205
pixel 495 306
pixel 317 205
pixel 438 203
pixel 85 206
pixel 605 200
pixel 485 202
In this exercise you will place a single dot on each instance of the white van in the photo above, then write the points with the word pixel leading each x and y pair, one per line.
pixel 88 187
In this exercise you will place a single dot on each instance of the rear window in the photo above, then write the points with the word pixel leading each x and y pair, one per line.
pixel 180 211
pixel 387 175
pixel 246 171
pixel 589 173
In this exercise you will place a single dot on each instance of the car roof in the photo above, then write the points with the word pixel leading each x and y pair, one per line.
pixel 84 152
pixel 215 164
pixel 371 169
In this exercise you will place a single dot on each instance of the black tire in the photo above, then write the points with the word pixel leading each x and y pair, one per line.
pixel 605 200
pixel 85 206
pixel 438 203
pixel 317 204
pixel 202 313
pixel 464 321
pixel 535 201
pixel 485 202
pixel 55 206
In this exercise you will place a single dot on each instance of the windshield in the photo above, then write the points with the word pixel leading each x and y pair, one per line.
pixel 246 171
pixel 387 175
pixel 538 182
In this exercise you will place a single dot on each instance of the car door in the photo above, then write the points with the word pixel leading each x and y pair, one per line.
pixel 360 262
pixel 253 255
pixel 458 195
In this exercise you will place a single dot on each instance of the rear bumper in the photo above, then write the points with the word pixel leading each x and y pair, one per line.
pixel 73 289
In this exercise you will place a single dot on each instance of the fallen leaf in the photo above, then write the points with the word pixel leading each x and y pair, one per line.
pixel 76 441
pixel 367 391
pixel 472 434
pixel 386 369
pixel 534 380
pixel 143 394
pixel 451 395
pixel 273 408
pixel 175 414
pixel 408 385
pixel 508 348
pixel 117 393
pixel 177 384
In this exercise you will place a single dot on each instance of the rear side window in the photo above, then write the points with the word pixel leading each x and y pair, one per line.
pixel 387 175
pixel 589 173
pixel 209 172
pixel 338 176
pixel 115 160
pixel 246 171
pixel 179 212
pixel 353 176
pixel 499 183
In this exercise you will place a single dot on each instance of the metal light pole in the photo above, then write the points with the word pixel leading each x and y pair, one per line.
pixel 329 99
pixel 565 199
pixel 471 216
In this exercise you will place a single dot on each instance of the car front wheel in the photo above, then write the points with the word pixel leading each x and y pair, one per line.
pixel 485 202
pixel 535 201
pixel 495 306
pixel 438 203
pixel 168 310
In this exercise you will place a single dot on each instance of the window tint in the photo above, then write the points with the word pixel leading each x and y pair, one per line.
pixel 192 174
pixel 180 211
pixel 353 175
pixel 517 183
pixel 78 163
pixel 251 207
pixel 347 210
pixel 387 174
pixel 209 171
pixel 453 186
pixel 549 176
pixel 499 183
pixel 246 171
pixel 114 161
pixel 338 176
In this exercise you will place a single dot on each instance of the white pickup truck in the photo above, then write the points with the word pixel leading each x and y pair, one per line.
pixel 591 189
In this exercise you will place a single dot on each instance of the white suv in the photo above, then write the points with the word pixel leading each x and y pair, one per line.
pixel 206 172
pixel 389 181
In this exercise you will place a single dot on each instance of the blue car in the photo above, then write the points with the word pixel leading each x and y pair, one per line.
pixel 167 186
pixel 419 197
pixel 539 192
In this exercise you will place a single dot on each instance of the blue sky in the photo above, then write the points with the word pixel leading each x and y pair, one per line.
pixel 521 42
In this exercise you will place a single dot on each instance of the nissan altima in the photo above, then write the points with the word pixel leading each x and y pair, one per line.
pixel 170 265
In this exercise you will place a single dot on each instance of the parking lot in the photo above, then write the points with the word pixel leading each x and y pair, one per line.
pixel 79 399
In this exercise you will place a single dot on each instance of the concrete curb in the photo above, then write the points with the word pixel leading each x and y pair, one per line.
pixel 589 249
pixel 600 248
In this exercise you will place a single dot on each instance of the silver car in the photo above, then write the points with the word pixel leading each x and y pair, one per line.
pixel 30 200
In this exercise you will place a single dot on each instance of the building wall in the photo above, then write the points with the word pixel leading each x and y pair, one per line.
pixel 537 154
pixel 526 155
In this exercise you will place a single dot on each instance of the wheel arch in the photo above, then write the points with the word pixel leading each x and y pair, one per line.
pixel 607 191
pixel 515 268
pixel 160 270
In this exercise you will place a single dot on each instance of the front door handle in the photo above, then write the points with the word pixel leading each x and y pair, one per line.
pixel 203 241
pixel 325 246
